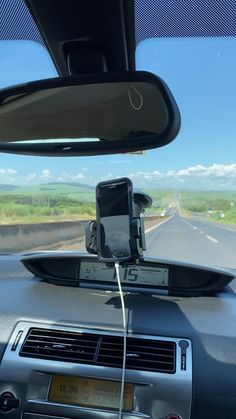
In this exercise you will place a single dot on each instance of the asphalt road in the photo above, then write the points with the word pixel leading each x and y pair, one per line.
pixel 194 241
pixel 191 240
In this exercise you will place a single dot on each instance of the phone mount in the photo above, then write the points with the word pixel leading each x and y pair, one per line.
pixel 137 241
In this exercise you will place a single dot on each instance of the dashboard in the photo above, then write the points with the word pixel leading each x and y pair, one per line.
pixel 61 344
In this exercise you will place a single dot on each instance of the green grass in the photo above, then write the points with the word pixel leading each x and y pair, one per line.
pixel 46 203
pixel 59 202
pixel 66 202
pixel 70 190
pixel 218 206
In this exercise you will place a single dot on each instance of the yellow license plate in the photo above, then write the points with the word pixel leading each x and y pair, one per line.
pixel 90 392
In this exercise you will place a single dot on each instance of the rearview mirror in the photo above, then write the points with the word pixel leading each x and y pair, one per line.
pixel 91 115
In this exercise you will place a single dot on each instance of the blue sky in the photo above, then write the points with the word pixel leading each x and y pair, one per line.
pixel 201 73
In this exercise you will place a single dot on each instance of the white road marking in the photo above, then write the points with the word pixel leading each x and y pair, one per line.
pixel 157 225
pixel 223 226
pixel 208 237
pixel 190 224
pixel 187 222
pixel 212 239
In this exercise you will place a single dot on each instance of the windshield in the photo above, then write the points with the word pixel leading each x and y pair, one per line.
pixel 46 202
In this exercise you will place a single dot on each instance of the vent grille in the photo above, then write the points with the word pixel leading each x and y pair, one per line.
pixel 141 354
pixel 102 350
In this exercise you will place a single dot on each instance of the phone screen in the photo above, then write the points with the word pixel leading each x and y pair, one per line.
pixel 113 219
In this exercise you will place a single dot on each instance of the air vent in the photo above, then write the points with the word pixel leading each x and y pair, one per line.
pixel 104 350
pixel 60 345
pixel 142 354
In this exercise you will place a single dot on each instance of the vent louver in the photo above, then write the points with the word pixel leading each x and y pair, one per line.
pixel 102 350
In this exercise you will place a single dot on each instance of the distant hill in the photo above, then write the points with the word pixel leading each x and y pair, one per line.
pixel 73 184
pixel 8 187
pixel 53 190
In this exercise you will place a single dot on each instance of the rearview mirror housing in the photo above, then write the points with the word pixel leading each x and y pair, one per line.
pixel 91 115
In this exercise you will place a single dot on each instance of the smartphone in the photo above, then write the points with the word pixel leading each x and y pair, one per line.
pixel 114 208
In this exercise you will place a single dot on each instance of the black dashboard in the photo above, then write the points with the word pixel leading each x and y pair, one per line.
pixel 200 385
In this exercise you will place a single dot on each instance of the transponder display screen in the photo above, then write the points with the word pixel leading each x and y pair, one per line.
pixel 132 274
pixel 89 392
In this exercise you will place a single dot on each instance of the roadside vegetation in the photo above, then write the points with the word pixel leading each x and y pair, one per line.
pixel 71 202
pixel 161 201
pixel 59 202
pixel 216 206
pixel 46 204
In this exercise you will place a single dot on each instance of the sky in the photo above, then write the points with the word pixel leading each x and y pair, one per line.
pixel 201 74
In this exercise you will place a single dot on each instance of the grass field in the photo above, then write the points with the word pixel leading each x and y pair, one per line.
pixel 218 206
pixel 46 203
pixel 66 202
pixel 57 202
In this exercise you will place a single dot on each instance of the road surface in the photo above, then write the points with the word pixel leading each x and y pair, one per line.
pixel 193 241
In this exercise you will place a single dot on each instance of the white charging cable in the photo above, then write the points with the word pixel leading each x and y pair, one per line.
pixel 117 268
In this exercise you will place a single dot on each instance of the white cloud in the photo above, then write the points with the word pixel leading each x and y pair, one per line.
pixel 215 170
pixel 79 176
pixel 155 175
pixel 30 177
pixel 11 176
pixel 215 176
pixel 12 171
pixel 150 176
pixel 46 175
pixel 8 176
pixel 108 176
pixel 68 177
pixel 6 172
pixel 198 169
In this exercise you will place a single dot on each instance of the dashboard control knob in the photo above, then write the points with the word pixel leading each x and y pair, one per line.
pixel 8 401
